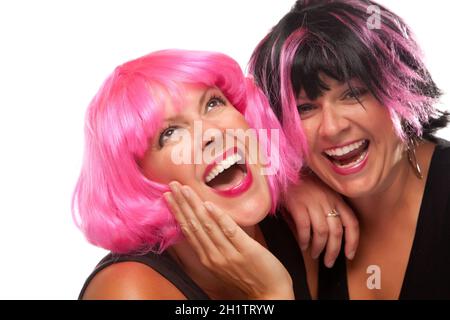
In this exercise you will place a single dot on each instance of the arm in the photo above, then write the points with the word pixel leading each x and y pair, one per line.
pixel 226 250
pixel 131 281
pixel 309 203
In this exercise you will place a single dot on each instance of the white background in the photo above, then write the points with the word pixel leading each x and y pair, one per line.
pixel 54 56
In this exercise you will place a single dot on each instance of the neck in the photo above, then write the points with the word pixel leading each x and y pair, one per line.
pixel 400 194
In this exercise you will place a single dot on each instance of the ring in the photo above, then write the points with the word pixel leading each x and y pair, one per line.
pixel 333 214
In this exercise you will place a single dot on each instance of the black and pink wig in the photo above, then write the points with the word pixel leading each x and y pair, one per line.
pixel 335 38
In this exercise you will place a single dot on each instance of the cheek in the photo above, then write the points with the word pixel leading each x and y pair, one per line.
pixel 251 211
pixel 234 119
pixel 377 117
pixel 261 202
pixel 160 168
pixel 383 130
pixel 311 142
pixel 395 148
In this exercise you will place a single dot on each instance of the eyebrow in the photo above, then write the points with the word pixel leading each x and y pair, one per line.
pixel 201 102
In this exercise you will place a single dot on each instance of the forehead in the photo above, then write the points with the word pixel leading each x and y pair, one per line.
pixel 187 97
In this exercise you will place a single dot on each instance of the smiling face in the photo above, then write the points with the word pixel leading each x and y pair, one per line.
pixel 352 143
pixel 223 173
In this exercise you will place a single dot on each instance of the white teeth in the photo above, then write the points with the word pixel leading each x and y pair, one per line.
pixel 344 150
pixel 222 166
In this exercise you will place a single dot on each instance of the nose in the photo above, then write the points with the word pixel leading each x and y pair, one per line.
pixel 208 142
pixel 211 141
pixel 207 133
pixel 332 123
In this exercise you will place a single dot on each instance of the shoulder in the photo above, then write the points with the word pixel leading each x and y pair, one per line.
pixel 440 162
pixel 443 150
pixel 130 280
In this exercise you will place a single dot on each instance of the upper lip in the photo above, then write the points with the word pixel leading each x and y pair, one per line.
pixel 226 154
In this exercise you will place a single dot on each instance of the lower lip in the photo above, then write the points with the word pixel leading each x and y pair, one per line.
pixel 240 188
pixel 351 170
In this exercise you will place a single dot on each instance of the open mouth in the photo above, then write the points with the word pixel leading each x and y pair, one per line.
pixel 229 176
pixel 349 156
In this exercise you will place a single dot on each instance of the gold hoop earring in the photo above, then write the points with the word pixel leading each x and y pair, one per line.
pixel 411 150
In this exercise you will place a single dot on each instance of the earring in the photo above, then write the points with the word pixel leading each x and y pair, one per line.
pixel 411 150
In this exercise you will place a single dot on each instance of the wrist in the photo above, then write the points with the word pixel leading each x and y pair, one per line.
pixel 281 295
pixel 284 292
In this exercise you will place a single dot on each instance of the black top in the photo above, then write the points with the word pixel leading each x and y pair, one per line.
pixel 427 274
pixel 280 242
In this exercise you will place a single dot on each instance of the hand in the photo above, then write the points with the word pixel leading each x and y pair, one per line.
pixel 226 250
pixel 309 203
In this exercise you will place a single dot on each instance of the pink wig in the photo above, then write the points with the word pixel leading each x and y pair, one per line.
pixel 114 204
pixel 336 38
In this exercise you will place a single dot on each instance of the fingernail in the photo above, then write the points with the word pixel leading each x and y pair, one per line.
pixel 186 192
pixel 173 186
pixel 303 247
pixel 167 198
pixel 351 255
pixel 329 263
pixel 315 256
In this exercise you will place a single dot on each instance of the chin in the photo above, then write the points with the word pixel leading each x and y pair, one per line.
pixel 354 190
pixel 251 213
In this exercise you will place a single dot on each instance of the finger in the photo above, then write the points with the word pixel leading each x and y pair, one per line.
pixel 179 216
pixel 351 229
pixel 319 226
pixel 184 208
pixel 210 226
pixel 194 229
pixel 335 232
pixel 237 237
pixel 303 226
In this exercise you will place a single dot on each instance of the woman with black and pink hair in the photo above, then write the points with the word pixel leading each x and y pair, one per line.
pixel 347 81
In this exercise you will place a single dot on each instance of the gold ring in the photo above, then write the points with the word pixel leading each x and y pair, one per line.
pixel 333 214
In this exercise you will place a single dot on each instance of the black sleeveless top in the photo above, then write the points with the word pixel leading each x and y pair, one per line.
pixel 427 274
pixel 280 242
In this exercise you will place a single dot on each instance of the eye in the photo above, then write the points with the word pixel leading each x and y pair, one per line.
pixel 215 101
pixel 166 134
pixel 355 93
pixel 305 109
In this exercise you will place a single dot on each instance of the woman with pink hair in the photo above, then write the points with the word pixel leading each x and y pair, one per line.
pixel 348 83
pixel 185 132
